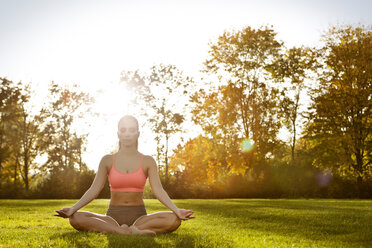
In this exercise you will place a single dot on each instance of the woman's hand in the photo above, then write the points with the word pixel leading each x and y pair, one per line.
pixel 184 214
pixel 65 212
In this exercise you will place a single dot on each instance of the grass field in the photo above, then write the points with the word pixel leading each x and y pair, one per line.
pixel 218 223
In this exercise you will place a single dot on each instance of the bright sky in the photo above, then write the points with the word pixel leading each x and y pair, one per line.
pixel 90 42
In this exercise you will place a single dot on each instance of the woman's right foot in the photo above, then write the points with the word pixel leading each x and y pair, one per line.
pixel 125 229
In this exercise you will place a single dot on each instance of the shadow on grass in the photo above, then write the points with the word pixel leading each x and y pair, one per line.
pixel 85 239
pixel 321 205
pixel 313 220
pixel 33 202
pixel 76 239
pixel 160 240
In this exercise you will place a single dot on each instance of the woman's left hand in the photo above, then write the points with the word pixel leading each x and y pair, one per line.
pixel 65 212
pixel 184 214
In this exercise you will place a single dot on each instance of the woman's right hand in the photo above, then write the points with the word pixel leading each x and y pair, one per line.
pixel 65 212
pixel 184 214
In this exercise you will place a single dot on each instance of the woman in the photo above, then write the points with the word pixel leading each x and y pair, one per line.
pixel 127 171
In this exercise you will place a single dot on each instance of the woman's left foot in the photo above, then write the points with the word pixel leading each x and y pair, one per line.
pixel 137 231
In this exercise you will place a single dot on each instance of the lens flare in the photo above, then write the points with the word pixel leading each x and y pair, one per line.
pixel 247 145
pixel 324 178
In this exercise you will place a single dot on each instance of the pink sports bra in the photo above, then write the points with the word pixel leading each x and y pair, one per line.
pixel 127 182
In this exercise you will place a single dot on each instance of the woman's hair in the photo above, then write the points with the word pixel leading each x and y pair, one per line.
pixel 129 117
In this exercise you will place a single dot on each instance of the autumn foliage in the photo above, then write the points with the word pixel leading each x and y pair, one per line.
pixel 254 88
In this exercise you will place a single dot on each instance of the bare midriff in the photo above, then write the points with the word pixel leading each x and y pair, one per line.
pixel 126 199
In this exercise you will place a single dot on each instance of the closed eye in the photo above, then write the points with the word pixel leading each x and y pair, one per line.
pixel 132 130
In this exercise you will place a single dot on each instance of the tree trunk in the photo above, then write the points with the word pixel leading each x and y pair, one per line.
pixel 80 162
pixel 25 169
pixel 15 171
pixel 293 143
pixel 359 186
pixel 294 125
pixel 166 160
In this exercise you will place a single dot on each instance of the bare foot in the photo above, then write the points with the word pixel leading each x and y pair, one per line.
pixel 125 229
pixel 137 231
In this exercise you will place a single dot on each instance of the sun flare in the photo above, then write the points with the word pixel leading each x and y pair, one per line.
pixel 112 101
pixel 247 145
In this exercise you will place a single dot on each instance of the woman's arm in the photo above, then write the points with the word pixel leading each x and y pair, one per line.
pixel 163 197
pixel 157 187
pixel 93 191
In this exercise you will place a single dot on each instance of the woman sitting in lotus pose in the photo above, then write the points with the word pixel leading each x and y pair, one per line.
pixel 127 171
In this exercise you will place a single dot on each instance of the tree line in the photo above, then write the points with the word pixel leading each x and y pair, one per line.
pixel 253 88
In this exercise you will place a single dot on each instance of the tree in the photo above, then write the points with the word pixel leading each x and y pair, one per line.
pixel 61 142
pixel 167 102
pixel 340 121
pixel 63 145
pixel 135 83
pixel 25 138
pixel 11 99
pixel 20 130
pixel 294 67
pixel 244 106
pixel 162 96
pixel 195 165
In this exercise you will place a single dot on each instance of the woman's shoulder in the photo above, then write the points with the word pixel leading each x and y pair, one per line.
pixel 146 156
pixel 107 159
pixel 148 159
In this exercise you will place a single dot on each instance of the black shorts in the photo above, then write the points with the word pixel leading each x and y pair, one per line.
pixel 126 214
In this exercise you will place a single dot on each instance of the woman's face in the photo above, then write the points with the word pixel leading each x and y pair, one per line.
pixel 128 132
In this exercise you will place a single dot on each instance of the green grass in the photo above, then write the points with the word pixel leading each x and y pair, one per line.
pixel 218 223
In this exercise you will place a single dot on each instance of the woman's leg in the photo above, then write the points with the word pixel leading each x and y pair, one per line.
pixel 160 222
pixel 92 222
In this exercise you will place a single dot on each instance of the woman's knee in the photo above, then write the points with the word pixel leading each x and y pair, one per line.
pixel 175 222
pixel 75 220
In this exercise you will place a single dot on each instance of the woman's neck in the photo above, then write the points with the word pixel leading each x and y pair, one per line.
pixel 128 151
